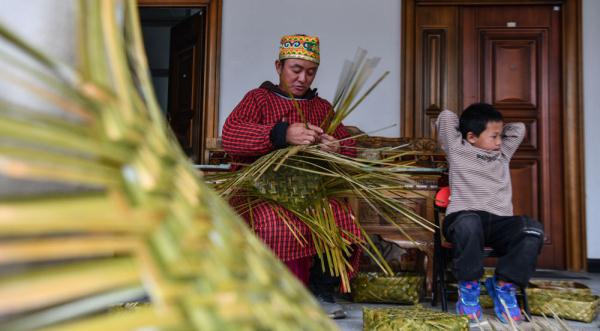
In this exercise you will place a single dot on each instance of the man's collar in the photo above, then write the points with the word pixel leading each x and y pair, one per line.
pixel 311 93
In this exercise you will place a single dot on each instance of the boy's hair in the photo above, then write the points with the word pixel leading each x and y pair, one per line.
pixel 476 117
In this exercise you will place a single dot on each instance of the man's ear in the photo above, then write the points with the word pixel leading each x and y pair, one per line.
pixel 471 137
pixel 278 66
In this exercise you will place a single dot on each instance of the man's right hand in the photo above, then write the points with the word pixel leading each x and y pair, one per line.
pixel 299 134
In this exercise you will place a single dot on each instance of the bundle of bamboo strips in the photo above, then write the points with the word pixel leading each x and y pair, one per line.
pixel 136 223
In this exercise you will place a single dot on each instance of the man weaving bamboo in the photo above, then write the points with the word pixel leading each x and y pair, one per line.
pixel 265 120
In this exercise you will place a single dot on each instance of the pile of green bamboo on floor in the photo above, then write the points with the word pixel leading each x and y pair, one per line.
pixel 302 179
pixel 565 299
pixel 411 319
pixel 120 215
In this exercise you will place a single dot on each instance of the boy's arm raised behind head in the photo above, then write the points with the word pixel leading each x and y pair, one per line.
pixel 512 136
pixel 447 130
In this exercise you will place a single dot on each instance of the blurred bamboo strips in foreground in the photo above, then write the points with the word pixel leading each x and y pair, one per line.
pixel 123 216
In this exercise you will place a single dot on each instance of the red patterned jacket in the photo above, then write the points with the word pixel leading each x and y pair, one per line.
pixel 246 136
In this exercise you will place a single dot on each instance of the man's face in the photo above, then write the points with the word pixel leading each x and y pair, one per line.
pixel 490 139
pixel 296 75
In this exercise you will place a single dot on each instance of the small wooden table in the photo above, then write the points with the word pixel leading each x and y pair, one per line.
pixel 414 236
pixel 430 165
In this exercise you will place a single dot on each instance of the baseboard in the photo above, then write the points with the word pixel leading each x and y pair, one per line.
pixel 594 265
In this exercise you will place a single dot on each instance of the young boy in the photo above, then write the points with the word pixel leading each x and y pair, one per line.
pixel 478 149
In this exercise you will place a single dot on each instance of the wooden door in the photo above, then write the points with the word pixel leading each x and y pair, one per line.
pixel 185 111
pixel 437 66
pixel 510 59
pixel 508 56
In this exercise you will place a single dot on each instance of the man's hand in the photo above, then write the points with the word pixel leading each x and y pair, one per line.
pixel 299 134
pixel 329 143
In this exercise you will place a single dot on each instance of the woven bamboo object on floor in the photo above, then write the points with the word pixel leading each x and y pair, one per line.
pixel 565 286
pixel 378 288
pixel 413 319
pixel 568 303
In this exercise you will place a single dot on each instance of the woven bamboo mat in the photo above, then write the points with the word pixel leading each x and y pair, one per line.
pixel 354 320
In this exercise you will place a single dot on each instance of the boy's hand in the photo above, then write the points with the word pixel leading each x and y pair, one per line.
pixel 299 134
pixel 329 143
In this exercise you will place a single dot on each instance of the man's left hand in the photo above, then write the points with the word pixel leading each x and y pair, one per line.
pixel 329 143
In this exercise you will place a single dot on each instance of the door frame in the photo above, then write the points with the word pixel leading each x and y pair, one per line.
pixel 212 57
pixel 572 89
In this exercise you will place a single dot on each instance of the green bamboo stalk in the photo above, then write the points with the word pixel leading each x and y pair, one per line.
pixel 40 288
pixel 39 165
pixel 52 249
pixel 139 318
pixel 81 308
pixel 56 214
pixel 118 68
pixel 347 79
pixel 363 70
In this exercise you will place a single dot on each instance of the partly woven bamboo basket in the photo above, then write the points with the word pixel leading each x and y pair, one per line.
pixel 574 303
pixel 290 186
pixel 414 319
pixel 378 288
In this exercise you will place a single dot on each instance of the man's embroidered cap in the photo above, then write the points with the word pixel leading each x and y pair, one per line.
pixel 299 46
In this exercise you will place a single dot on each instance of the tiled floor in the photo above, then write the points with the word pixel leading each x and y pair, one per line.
pixel 354 320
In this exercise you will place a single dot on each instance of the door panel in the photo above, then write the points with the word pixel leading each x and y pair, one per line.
pixel 182 116
pixel 511 61
pixel 529 143
pixel 436 66
pixel 524 174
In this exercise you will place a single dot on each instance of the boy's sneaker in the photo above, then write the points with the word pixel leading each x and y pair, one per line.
pixel 468 300
pixel 504 292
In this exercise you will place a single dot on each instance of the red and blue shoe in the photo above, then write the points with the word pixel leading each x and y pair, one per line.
pixel 468 300
pixel 505 299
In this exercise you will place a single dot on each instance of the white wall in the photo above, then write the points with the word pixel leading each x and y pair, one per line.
pixel 250 39
pixel 45 24
pixel 591 101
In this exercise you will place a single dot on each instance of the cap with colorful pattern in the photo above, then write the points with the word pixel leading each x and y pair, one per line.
pixel 299 46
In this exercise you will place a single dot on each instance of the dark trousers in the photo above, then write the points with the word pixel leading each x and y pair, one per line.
pixel 517 240
pixel 321 283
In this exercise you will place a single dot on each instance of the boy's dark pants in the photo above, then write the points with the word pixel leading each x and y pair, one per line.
pixel 517 240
